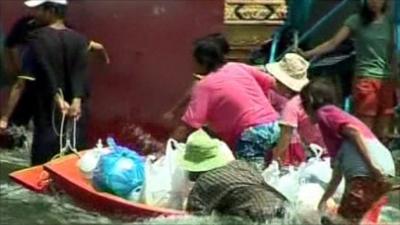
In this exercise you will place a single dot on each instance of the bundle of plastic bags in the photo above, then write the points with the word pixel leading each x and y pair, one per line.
pixel 305 184
pixel 166 183
pixel 286 182
pixel 120 172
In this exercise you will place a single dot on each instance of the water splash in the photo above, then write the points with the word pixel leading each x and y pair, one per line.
pixel 390 215
pixel 20 206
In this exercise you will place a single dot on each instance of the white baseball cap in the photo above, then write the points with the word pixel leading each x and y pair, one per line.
pixel 35 3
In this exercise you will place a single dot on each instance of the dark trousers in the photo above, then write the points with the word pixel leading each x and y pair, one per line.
pixel 45 143
pixel 23 112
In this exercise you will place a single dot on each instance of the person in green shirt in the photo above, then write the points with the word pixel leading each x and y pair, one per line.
pixel 373 92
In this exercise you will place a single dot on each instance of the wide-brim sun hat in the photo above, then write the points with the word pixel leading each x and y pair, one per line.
pixel 36 3
pixel 291 71
pixel 203 153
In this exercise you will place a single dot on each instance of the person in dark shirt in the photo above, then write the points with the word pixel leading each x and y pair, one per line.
pixel 56 59
pixel 225 185
pixel 21 91
pixel 18 109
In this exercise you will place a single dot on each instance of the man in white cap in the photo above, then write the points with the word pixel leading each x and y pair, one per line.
pixel 56 59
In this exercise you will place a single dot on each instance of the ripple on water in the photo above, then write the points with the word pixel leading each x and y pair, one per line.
pixel 20 206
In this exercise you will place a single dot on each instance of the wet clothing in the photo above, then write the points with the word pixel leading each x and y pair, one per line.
pixel 230 100
pixel 56 60
pixel 236 189
pixel 361 195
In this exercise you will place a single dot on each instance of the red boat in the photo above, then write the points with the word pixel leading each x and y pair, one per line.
pixel 65 175
pixel 35 179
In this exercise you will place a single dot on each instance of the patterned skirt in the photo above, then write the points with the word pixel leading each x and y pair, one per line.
pixel 256 142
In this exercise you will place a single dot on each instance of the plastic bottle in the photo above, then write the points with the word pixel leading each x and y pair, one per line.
pixel 89 160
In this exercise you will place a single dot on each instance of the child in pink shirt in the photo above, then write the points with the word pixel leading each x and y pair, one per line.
pixel 355 151
pixel 296 124
pixel 296 128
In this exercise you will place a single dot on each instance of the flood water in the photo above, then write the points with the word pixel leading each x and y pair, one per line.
pixel 20 206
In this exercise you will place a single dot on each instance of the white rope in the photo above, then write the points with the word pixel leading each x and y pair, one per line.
pixel 61 133
pixel 68 145
pixel 53 120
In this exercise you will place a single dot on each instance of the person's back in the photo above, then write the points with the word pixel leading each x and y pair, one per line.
pixel 237 101
pixel 57 60
pixel 61 61
pixel 231 101
pixel 236 189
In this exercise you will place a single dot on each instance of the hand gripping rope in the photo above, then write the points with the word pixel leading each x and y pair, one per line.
pixel 69 146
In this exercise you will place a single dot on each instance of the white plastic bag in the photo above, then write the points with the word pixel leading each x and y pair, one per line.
pixel 289 184
pixel 165 182
pixel 318 170
pixel 297 184
pixel 309 195
pixel 271 174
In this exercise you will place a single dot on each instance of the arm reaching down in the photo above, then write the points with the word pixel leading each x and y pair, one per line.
pixel 332 186
pixel 283 143
pixel 78 78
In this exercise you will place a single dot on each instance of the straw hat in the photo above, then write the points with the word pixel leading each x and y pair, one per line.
pixel 204 153
pixel 291 70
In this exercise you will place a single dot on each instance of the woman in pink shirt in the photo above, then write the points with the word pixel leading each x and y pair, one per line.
pixel 176 111
pixel 231 102
pixel 357 155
